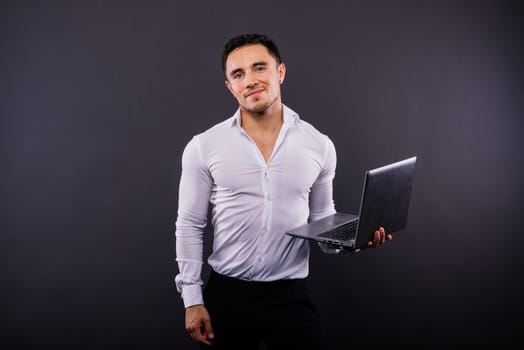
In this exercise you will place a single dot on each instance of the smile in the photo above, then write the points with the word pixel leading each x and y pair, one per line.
pixel 254 93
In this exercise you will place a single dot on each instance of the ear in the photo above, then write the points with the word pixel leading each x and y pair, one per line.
pixel 281 72
pixel 228 85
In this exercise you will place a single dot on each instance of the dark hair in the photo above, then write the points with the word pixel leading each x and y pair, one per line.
pixel 250 39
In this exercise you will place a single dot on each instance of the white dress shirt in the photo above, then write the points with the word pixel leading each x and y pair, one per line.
pixel 253 202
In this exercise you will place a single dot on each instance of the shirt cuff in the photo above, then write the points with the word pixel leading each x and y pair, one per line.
pixel 192 295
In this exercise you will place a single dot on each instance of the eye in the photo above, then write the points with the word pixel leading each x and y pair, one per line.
pixel 260 68
pixel 237 75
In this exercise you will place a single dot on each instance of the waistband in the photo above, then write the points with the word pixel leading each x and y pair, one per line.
pixel 232 281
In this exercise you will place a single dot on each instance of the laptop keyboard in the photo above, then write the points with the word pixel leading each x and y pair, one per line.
pixel 342 233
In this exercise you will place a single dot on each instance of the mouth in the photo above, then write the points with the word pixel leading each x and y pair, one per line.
pixel 254 93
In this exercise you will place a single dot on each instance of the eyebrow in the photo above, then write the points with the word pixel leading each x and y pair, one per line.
pixel 256 64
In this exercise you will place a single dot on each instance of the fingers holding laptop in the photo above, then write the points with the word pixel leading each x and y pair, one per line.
pixel 379 237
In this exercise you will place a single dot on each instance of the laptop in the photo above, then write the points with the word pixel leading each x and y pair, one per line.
pixel 385 202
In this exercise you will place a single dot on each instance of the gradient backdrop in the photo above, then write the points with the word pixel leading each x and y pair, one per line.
pixel 98 99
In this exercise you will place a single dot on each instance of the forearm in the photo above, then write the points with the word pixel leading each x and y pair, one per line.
pixel 189 238
pixel 189 253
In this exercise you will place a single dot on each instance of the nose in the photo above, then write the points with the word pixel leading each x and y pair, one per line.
pixel 251 80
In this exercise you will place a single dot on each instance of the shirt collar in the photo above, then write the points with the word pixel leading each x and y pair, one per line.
pixel 290 116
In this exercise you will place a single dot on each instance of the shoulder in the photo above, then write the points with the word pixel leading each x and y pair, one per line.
pixel 308 131
pixel 220 129
pixel 215 134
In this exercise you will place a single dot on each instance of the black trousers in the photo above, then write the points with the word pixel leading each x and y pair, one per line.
pixel 262 315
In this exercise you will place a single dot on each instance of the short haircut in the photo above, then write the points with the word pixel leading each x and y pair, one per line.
pixel 250 39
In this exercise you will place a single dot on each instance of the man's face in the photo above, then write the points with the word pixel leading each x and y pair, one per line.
pixel 254 77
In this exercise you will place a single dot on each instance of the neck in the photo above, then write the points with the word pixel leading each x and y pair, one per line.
pixel 269 120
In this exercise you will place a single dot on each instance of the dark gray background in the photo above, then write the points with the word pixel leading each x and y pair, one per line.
pixel 99 98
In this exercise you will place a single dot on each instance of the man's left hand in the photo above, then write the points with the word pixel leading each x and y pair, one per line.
pixel 380 237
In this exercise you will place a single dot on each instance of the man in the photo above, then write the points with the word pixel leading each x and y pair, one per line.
pixel 264 171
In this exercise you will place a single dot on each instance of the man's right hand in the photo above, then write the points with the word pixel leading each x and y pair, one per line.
pixel 198 324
